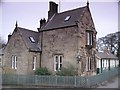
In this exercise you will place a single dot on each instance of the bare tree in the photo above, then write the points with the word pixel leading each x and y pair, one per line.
pixel 110 41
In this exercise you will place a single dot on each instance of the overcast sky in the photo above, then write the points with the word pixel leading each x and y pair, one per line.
pixel 29 12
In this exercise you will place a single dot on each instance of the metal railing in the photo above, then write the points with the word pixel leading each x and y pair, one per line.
pixel 65 81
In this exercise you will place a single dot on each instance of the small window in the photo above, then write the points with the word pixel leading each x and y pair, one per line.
pixel 88 64
pixel 34 62
pixel 58 62
pixel 67 18
pixel 89 38
pixel 14 62
pixel 32 39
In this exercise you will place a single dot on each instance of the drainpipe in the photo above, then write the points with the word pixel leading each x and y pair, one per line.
pixel 101 65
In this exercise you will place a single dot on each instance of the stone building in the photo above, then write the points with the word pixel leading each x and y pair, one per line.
pixel 21 55
pixel 66 38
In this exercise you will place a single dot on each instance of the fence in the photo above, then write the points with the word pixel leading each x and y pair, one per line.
pixel 65 81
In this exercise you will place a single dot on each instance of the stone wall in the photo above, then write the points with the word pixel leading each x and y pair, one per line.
pixel 69 42
pixel 16 46
pixel 61 41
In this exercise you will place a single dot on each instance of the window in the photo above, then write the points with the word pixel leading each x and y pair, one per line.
pixel 14 62
pixel 58 62
pixel 88 64
pixel 34 62
pixel 32 39
pixel 67 18
pixel 89 38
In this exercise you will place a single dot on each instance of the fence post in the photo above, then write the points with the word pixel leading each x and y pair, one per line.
pixel 75 81
pixel 87 82
pixel 56 80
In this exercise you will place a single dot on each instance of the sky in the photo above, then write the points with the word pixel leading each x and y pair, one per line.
pixel 29 12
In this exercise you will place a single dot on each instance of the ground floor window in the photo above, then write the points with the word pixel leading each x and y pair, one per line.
pixel 88 64
pixel 58 59
pixel 14 62
pixel 34 62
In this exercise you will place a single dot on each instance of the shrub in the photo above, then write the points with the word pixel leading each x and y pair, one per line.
pixel 42 71
pixel 68 71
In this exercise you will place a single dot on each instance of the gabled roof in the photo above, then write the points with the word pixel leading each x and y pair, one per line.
pixel 26 34
pixel 58 19
pixel 104 55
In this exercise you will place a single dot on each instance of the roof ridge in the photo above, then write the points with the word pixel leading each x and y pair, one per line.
pixel 27 29
pixel 72 10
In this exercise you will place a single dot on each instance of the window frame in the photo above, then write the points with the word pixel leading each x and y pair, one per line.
pixel 58 64
pixel 32 39
pixel 89 38
pixel 34 62
pixel 14 62
pixel 67 18
pixel 88 64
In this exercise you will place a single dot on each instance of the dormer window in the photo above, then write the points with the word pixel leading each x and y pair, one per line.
pixel 32 39
pixel 67 18
pixel 89 38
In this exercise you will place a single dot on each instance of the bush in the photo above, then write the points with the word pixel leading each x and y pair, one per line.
pixel 69 71
pixel 42 71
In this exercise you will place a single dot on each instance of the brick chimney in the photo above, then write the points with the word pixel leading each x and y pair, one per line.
pixel 53 8
pixel 42 24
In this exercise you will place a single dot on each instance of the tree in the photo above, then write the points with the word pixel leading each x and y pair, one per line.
pixel 110 41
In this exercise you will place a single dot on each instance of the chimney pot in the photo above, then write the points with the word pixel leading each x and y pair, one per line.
pixel 42 22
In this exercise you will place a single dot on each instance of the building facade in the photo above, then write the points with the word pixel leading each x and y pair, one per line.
pixel 66 38
pixel 21 55
pixel 106 61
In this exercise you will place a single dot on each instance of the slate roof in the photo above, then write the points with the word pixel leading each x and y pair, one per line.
pixel 26 34
pixel 104 55
pixel 57 21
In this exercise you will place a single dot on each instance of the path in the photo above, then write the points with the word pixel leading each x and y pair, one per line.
pixel 113 83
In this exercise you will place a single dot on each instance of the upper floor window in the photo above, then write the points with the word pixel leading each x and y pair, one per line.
pixel 89 37
pixel 58 59
pixel 32 39
pixel 14 62
pixel 67 18
pixel 34 62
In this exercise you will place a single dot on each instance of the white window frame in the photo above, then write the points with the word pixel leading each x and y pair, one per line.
pixel 58 62
pixel 14 62
pixel 34 62
pixel 88 64
pixel 89 38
